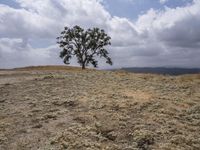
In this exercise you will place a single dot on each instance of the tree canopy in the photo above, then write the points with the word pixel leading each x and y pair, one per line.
pixel 85 45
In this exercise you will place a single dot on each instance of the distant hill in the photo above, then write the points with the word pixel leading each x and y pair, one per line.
pixel 46 68
pixel 49 67
pixel 163 70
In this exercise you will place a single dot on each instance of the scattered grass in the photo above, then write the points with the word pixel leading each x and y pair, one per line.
pixel 67 108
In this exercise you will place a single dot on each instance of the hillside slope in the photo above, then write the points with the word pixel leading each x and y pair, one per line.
pixel 95 110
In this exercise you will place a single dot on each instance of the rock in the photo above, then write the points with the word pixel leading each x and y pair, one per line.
pixel 2 100
pixel 37 126
pixel 67 103
pixel 65 144
pixel 111 136
pixel 70 103
pixel 145 142
pixel 48 116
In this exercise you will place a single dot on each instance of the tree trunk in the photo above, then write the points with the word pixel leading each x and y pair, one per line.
pixel 83 66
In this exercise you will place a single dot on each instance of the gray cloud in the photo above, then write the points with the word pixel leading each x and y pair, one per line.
pixel 185 33
pixel 16 52
pixel 157 38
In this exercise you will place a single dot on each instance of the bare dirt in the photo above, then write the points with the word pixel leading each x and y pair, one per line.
pixel 57 108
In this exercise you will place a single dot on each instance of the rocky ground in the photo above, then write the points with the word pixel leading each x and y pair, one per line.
pixel 57 109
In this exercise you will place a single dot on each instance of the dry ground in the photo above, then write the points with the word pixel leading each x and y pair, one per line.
pixel 55 108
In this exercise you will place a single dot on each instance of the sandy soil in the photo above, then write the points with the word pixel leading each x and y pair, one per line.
pixel 98 110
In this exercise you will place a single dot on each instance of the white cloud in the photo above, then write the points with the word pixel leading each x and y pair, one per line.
pixel 163 1
pixel 175 27
pixel 123 32
pixel 169 37
pixel 17 52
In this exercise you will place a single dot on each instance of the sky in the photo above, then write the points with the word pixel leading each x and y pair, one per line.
pixel 145 33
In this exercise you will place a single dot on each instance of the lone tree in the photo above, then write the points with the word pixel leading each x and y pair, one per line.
pixel 85 45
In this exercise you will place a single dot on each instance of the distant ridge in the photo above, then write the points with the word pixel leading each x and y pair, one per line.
pixel 48 67
pixel 43 68
pixel 163 70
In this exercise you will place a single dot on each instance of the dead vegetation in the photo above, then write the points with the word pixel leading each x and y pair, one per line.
pixel 96 110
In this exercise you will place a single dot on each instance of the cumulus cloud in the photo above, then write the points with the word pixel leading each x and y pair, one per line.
pixel 39 20
pixel 45 18
pixel 176 31
pixel 18 53
pixel 169 37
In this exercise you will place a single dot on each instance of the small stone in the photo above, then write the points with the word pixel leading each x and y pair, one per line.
pixel 37 126
pixel 65 144
pixel 111 136
pixel 2 100
pixel 49 117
